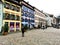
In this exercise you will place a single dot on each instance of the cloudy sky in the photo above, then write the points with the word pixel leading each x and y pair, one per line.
pixel 49 6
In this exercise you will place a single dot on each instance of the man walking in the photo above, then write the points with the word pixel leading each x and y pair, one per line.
pixel 22 30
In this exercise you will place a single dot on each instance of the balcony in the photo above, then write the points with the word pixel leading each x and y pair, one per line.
pixel 12 7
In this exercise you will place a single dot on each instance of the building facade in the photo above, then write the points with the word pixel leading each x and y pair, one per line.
pixel 58 20
pixel 49 19
pixel 11 15
pixel 40 18
pixel 54 20
pixel 27 14
pixel 17 12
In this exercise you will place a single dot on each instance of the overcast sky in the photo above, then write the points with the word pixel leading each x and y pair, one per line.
pixel 49 6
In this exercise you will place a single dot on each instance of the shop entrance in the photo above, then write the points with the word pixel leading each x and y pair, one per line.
pixel 11 26
pixel 17 26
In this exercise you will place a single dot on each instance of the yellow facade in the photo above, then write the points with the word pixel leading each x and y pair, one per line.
pixel 9 11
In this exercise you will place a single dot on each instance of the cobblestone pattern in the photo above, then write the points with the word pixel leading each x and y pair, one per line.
pixel 50 36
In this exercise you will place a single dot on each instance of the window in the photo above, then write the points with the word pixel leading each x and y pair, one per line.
pixel 6 16
pixel 17 18
pixel 17 26
pixel 15 8
pixel 12 7
pixel 26 20
pixel 18 9
pixel 32 16
pixel 12 17
pixel 6 5
pixel 3 15
pixel 24 8
pixel 32 20
pixel 26 14
pixel 23 19
pixel 32 12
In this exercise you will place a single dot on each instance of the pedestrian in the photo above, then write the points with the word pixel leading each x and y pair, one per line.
pixel 46 26
pixel 43 28
pixel 22 30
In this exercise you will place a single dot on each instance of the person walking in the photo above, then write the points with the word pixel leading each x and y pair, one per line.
pixel 22 30
pixel 43 27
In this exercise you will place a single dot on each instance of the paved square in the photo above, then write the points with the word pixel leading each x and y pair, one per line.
pixel 49 36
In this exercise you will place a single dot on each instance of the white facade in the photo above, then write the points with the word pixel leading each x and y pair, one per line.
pixel 49 20
pixel 1 15
pixel 40 18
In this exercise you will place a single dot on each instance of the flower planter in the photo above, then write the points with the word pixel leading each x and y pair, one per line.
pixel 5 29
pixel 5 33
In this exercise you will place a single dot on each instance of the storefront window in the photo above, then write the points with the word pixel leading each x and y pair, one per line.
pixel 17 26
pixel 11 26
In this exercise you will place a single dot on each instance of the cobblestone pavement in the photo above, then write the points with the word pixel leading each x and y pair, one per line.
pixel 49 36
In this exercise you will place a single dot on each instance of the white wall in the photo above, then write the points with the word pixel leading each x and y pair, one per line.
pixel 1 15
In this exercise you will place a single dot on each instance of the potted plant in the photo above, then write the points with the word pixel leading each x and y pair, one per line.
pixel 5 29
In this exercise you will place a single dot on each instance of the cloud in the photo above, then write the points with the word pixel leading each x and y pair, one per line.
pixel 49 6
